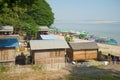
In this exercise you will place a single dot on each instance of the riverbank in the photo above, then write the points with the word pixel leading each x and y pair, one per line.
pixel 112 49
pixel 104 48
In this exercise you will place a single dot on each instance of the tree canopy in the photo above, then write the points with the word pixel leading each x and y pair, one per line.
pixel 26 15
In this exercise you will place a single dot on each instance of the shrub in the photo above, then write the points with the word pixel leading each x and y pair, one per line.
pixel 4 69
pixel 37 67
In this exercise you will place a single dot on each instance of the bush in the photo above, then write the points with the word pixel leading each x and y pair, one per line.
pixel 37 67
pixel 4 69
pixel 68 39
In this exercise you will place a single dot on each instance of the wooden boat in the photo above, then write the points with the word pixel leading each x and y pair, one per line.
pixel 110 41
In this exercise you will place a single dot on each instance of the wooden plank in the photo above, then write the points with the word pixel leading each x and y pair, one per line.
pixel 79 52
pixel 91 54
pixel 79 55
pixel 84 55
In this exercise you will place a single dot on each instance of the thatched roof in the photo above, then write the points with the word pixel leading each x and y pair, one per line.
pixel 83 45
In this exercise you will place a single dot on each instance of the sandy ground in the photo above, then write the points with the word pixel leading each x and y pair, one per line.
pixel 112 49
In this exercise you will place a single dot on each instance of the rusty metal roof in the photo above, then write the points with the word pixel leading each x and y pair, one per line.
pixel 83 45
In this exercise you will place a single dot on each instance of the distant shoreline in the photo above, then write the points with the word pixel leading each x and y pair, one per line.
pixel 102 30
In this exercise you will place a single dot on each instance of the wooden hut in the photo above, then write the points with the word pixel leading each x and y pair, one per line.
pixel 7 50
pixel 6 30
pixel 82 51
pixel 49 53
pixel 44 30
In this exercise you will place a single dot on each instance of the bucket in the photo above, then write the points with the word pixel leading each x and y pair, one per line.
pixel 106 62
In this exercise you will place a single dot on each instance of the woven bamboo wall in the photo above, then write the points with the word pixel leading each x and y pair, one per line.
pixel 7 55
pixel 50 59
pixel 55 66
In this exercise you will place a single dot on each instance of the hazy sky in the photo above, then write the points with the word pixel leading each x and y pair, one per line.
pixel 85 9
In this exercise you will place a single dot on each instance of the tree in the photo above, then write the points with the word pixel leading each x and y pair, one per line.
pixel 25 15
pixel 41 13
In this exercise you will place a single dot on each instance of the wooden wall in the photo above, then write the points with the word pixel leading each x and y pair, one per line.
pixel 50 59
pixel 7 55
pixel 83 54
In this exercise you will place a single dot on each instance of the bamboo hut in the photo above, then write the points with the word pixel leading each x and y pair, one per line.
pixel 8 50
pixel 82 51
pixel 49 53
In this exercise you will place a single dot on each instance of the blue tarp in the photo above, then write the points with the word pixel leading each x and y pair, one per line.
pixel 48 37
pixel 8 42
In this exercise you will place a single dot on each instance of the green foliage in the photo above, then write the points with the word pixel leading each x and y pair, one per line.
pixel 37 68
pixel 93 77
pixel 68 38
pixel 4 69
pixel 25 15
pixel 41 13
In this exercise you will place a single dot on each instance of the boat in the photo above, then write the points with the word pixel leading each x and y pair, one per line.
pixel 82 35
pixel 110 41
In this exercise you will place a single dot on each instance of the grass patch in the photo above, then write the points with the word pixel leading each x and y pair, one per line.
pixel 94 77
pixel 38 68
pixel 4 69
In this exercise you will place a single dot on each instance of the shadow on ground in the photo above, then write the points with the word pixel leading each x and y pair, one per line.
pixel 109 72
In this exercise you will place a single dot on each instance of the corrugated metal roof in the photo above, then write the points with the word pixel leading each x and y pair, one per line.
pixel 44 37
pixel 44 28
pixel 8 42
pixel 48 44
pixel 83 45
pixel 6 28
pixel 10 36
